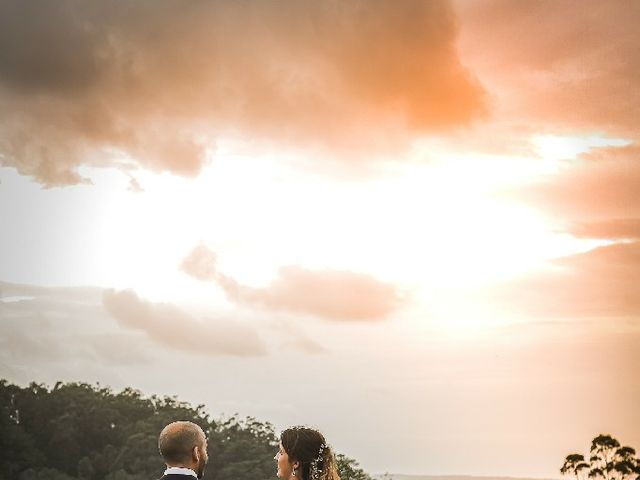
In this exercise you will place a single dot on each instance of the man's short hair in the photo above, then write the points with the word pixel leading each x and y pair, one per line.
pixel 177 440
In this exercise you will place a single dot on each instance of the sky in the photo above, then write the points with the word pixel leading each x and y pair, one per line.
pixel 412 225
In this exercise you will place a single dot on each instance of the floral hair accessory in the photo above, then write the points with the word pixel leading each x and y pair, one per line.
pixel 317 464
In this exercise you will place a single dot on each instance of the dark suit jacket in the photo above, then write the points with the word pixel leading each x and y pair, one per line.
pixel 173 476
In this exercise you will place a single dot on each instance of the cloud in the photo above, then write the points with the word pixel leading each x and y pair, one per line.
pixel 603 282
pixel 43 348
pixel 200 264
pixel 61 326
pixel 305 344
pixel 168 325
pixel 118 348
pixel 330 294
pixel 292 337
pixel 155 83
pixel 78 296
pixel 550 67
pixel 616 229
pixel 597 192
pixel 134 185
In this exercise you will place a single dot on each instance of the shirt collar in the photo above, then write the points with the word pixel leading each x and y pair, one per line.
pixel 179 471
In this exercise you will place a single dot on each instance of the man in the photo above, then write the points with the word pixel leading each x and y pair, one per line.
pixel 183 447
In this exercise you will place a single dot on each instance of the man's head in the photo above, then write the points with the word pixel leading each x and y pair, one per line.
pixel 183 444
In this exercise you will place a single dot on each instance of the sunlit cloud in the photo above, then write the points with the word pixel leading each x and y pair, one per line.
pixel 417 203
pixel 599 284
pixel 615 229
pixel 600 185
pixel 566 147
pixel 331 294
pixel 156 84
pixel 548 71
pixel 200 264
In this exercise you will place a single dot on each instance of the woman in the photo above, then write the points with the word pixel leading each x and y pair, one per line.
pixel 305 455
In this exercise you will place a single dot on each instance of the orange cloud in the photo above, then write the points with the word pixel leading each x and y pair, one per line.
pixel 604 282
pixel 172 327
pixel 551 67
pixel 331 294
pixel 616 229
pixel 596 195
pixel 159 81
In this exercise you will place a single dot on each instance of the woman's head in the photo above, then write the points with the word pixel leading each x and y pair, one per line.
pixel 305 455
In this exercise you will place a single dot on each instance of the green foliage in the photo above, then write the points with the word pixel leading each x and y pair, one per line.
pixel 78 431
pixel 607 461
pixel 44 474
pixel 242 448
pixel 350 469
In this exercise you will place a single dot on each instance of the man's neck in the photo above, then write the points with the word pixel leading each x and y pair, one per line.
pixel 180 470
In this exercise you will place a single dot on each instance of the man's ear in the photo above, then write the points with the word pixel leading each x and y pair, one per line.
pixel 195 454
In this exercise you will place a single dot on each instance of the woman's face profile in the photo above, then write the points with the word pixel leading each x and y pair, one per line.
pixel 284 466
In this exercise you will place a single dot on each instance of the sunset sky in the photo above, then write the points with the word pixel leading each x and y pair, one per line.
pixel 414 225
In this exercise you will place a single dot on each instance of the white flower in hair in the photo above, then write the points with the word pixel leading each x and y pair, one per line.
pixel 316 469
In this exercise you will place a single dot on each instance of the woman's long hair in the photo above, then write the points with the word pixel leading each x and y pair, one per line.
pixel 309 448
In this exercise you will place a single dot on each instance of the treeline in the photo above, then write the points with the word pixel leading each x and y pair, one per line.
pixel 76 431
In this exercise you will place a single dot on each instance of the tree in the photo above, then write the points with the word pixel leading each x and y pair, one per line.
pixel 603 450
pixel 79 431
pixel 575 465
pixel 607 461
pixel 349 469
